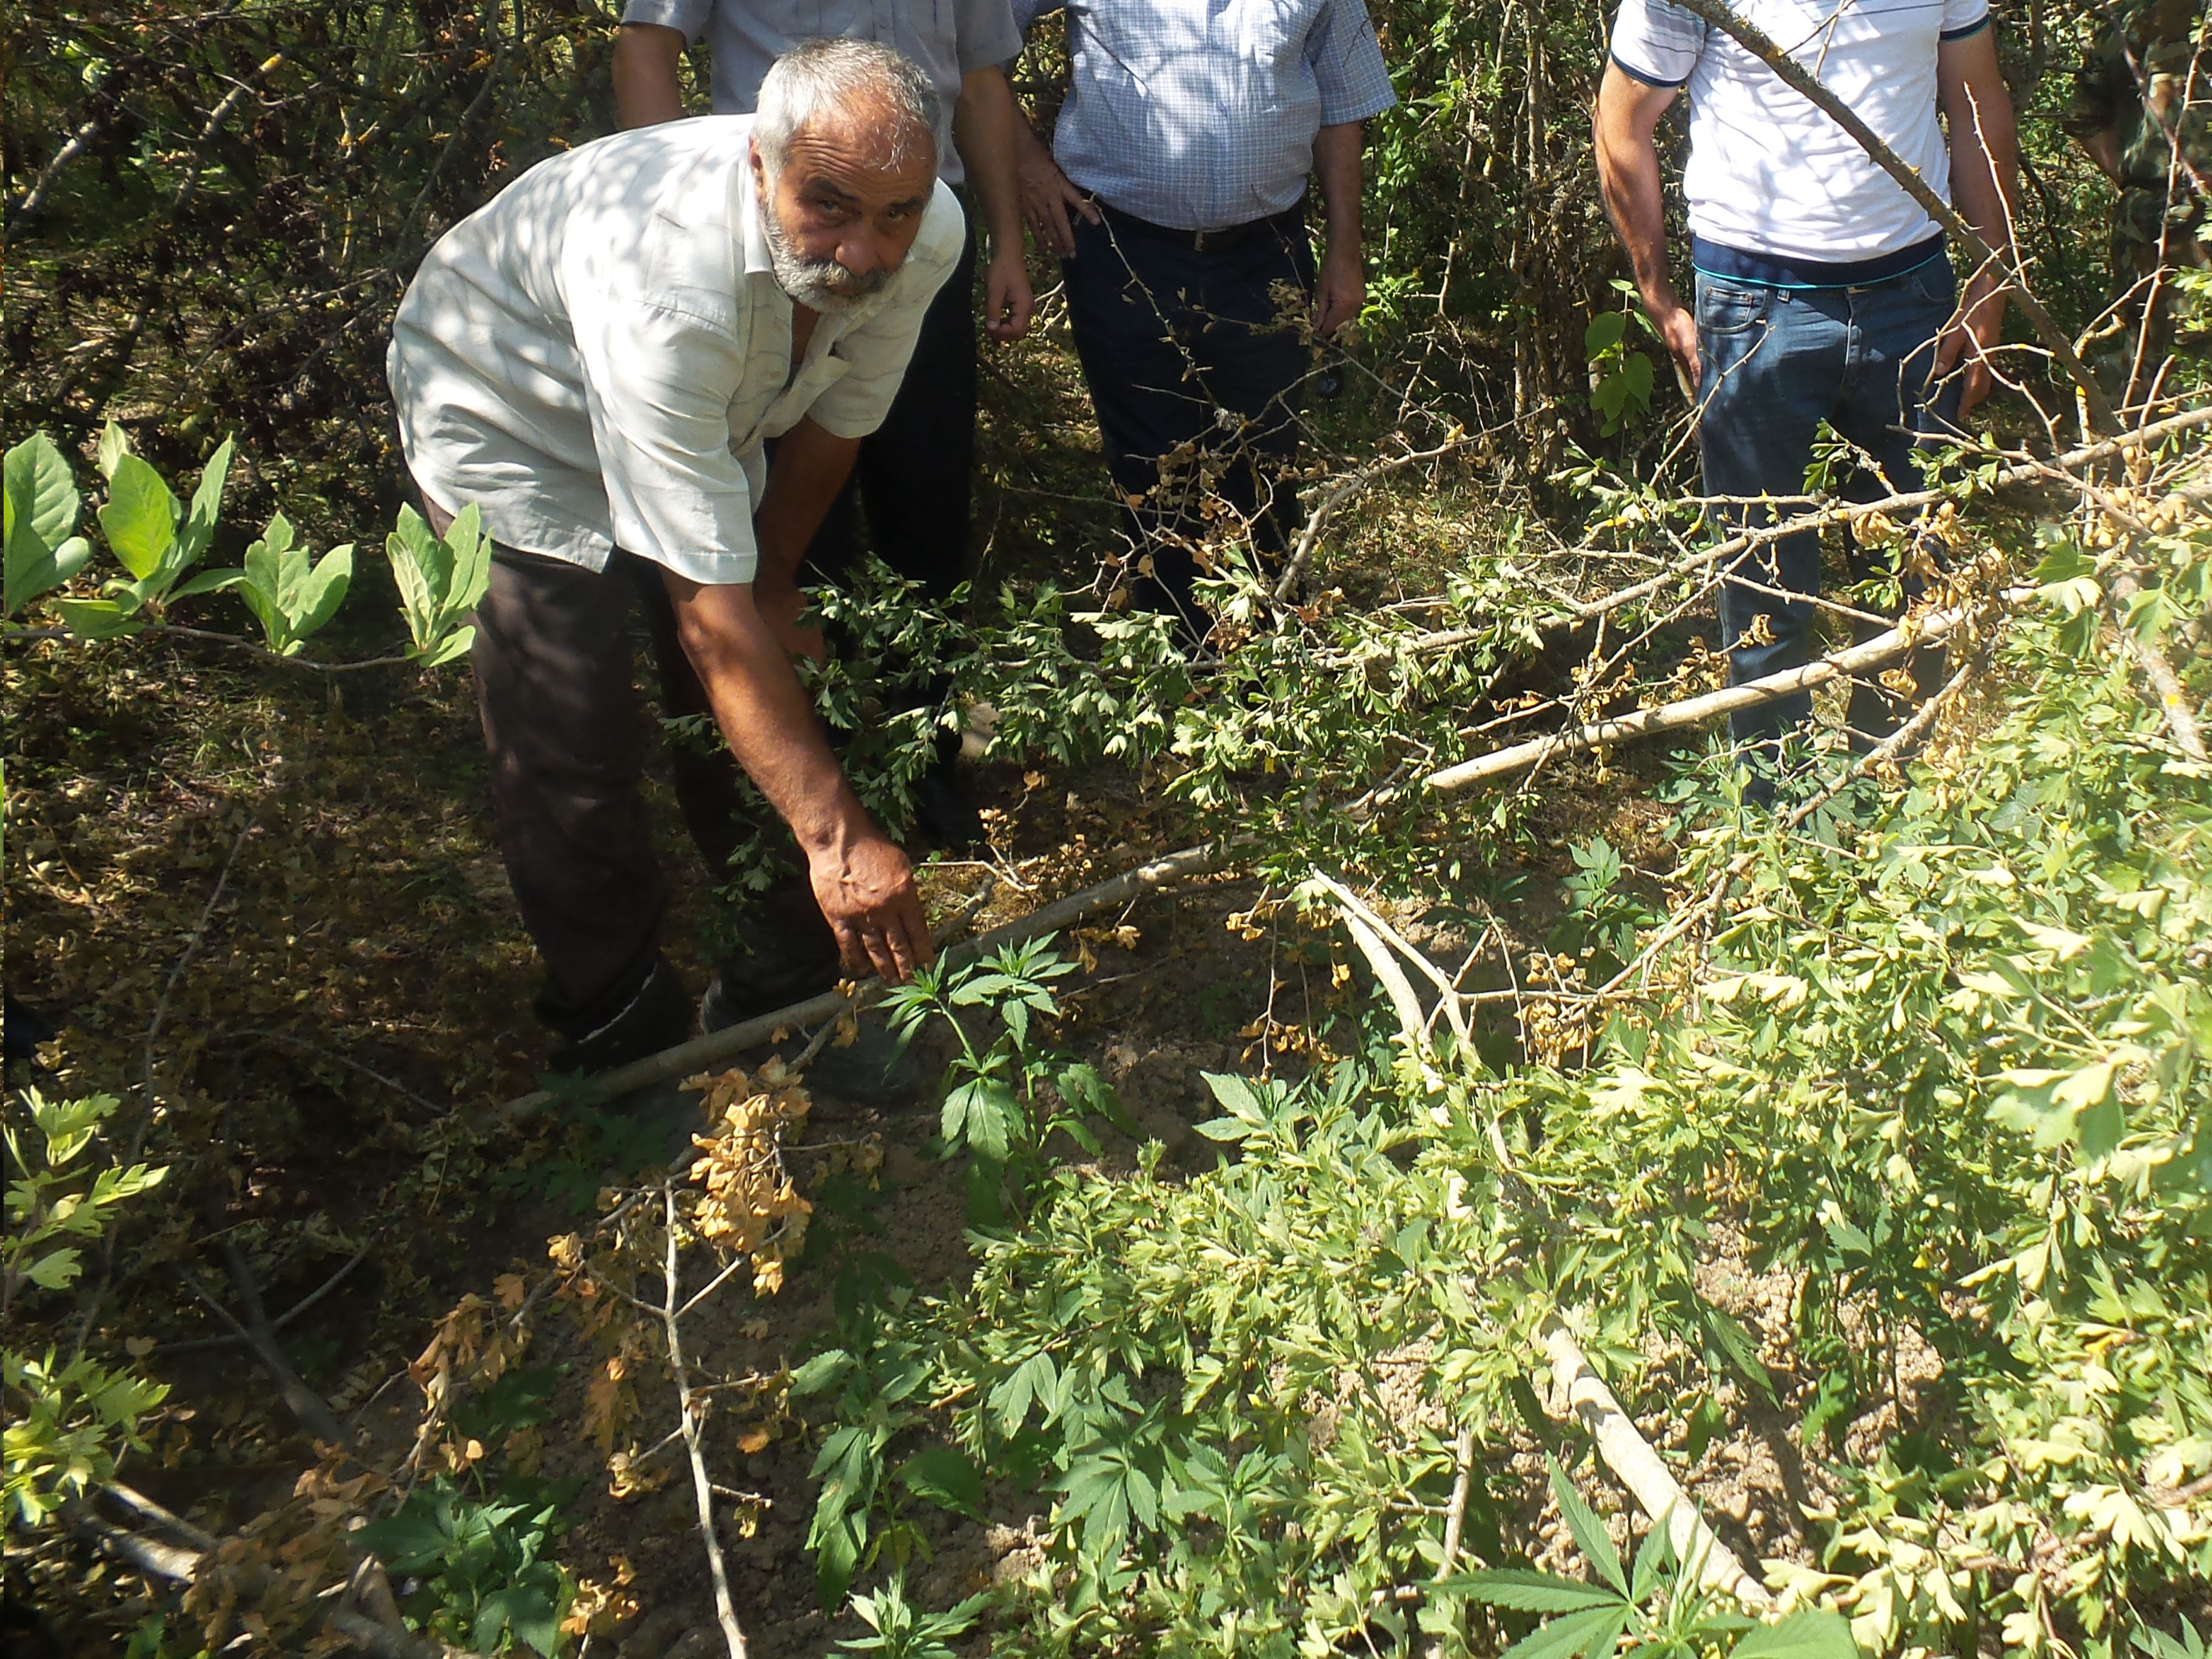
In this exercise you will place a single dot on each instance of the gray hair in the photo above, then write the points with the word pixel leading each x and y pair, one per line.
pixel 825 77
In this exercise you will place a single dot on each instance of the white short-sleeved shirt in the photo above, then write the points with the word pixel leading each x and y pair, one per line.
pixel 1768 173
pixel 595 357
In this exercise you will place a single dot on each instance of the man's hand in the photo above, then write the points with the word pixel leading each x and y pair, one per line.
pixel 1971 334
pixel 1340 291
pixel 1984 179
pixel 1008 300
pixel 863 883
pixel 1047 193
pixel 1679 329
pixel 866 888
pixel 984 124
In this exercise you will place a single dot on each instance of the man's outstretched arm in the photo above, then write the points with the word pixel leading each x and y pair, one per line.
pixel 861 879
pixel 1628 112
pixel 1984 179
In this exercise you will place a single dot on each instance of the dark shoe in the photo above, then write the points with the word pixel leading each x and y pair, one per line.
pixel 661 1120
pixel 658 1016
pixel 875 1069
pixel 944 814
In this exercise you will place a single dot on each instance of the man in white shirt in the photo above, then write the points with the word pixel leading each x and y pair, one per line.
pixel 1823 289
pixel 914 478
pixel 594 361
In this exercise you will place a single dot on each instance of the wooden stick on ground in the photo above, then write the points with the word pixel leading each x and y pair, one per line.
pixel 688 1058
pixel 1630 1456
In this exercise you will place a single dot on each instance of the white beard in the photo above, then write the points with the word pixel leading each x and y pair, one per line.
pixel 821 285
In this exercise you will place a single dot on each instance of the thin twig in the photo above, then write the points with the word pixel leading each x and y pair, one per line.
pixel 702 1488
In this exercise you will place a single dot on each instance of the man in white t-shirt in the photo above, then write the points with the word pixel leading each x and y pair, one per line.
pixel 1823 289
pixel 594 361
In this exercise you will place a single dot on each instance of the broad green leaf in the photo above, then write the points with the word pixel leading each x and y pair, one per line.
pixel 414 552
pixel 1810 1633
pixel 469 567
pixel 946 1477
pixel 1589 1532
pixel 114 446
pixel 139 517
pixel 1605 331
pixel 323 589
pixel 824 1370
pixel 98 619
pixel 42 507
pixel 198 527
pixel 994 1115
pixel 1520 1590
pixel 1036 1379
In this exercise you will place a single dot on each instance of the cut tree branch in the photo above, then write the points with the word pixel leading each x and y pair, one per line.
pixel 1629 1456
pixel 1907 636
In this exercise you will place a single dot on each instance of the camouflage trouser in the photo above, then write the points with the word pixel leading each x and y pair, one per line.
pixel 2148 236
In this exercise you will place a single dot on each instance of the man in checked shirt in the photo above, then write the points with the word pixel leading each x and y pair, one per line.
pixel 1175 193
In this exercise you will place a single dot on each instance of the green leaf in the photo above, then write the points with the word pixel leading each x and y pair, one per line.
pixel 822 1371
pixel 1520 1590
pixel 323 589
pixel 1593 1632
pixel 139 517
pixel 42 506
pixel 207 581
pixel 1606 330
pixel 114 445
pixel 946 1477
pixel 55 1269
pixel 199 528
pixel 1810 1633
pixel 1740 1346
pixel 468 567
pixel 1036 1379
pixel 1589 1532
pixel 98 619
pixel 455 646
pixel 993 1115
pixel 415 553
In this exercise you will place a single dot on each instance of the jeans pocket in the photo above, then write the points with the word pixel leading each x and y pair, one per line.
pixel 1730 308
pixel 1935 284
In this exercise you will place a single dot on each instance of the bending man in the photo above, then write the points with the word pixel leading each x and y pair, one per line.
pixel 595 361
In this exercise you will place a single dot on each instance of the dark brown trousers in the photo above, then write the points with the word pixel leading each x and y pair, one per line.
pixel 567 739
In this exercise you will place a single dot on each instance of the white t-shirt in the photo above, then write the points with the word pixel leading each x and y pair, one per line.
pixel 1768 173
pixel 595 357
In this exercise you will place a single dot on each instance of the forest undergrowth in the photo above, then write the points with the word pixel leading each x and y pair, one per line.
pixel 1498 1121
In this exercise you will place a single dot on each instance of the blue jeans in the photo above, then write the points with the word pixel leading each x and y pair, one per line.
pixel 1196 377
pixel 1776 363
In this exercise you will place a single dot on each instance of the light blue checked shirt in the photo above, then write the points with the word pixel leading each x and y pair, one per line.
pixel 1200 114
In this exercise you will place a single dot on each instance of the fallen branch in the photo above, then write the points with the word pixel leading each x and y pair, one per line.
pixel 1630 1456
pixel 702 1488
pixel 699 1053
pixel 1906 636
